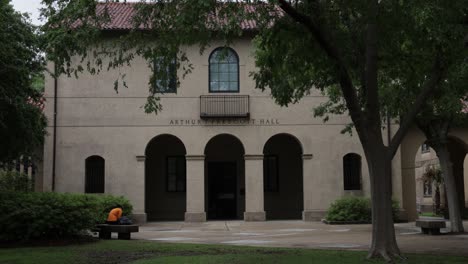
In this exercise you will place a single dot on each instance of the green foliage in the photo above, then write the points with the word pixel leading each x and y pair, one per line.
pixel 355 209
pixel 108 202
pixel 433 175
pixel 52 215
pixel 15 181
pixel 22 123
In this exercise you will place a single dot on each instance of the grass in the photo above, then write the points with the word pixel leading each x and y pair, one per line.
pixel 145 252
pixel 430 214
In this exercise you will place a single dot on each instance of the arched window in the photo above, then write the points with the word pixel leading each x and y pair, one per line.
pixel 94 174
pixel 224 71
pixel 352 171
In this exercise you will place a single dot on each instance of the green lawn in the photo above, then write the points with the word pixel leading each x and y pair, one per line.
pixel 143 252
pixel 430 214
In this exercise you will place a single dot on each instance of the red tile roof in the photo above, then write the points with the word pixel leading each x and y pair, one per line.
pixel 121 16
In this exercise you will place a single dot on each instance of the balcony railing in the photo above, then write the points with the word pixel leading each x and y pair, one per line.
pixel 224 106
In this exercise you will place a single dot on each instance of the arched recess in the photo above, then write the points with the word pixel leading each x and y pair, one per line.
pixel 95 174
pixel 352 178
pixel 458 150
pixel 165 178
pixel 426 157
pixel 224 178
pixel 283 177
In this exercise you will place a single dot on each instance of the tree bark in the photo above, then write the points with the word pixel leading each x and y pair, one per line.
pixel 383 232
pixel 441 148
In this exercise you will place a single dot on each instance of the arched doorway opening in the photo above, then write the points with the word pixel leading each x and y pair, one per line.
pixel 283 177
pixel 224 178
pixel 430 194
pixel 165 179
pixel 458 151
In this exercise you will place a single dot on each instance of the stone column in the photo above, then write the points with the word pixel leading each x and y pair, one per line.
pixel 313 209
pixel 195 189
pixel 137 191
pixel 254 205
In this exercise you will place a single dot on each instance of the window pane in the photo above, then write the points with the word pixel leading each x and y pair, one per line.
pixel 224 77
pixel 233 76
pixel 223 86
pixel 214 77
pixel 214 67
pixel 223 67
pixel 232 67
pixel 214 86
pixel 232 86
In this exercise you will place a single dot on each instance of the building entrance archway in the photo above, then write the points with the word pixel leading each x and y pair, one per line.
pixel 165 179
pixel 224 178
pixel 283 178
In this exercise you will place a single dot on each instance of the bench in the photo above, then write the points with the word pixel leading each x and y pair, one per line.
pixel 430 226
pixel 124 231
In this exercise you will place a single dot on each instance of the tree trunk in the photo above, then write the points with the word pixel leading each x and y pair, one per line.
pixel 383 232
pixel 456 223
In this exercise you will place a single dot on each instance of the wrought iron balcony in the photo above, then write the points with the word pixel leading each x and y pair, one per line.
pixel 224 106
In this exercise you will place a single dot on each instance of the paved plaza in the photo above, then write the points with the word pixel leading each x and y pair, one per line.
pixel 300 234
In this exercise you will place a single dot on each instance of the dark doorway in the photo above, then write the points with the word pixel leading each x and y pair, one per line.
pixel 222 190
pixel 282 178
pixel 165 178
pixel 224 178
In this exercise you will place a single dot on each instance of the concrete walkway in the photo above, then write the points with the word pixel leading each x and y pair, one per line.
pixel 300 234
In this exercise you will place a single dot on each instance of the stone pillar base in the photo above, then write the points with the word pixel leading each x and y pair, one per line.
pixel 139 218
pixel 313 215
pixel 195 217
pixel 402 216
pixel 254 216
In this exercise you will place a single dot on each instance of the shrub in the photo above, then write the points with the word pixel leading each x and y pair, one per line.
pixel 15 181
pixel 32 215
pixel 107 202
pixel 355 209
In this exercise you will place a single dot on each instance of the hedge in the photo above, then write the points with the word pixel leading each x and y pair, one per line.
pixel 354 209
pixel 15 181
pixel 26 216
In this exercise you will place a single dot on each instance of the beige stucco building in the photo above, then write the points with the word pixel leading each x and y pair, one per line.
pixel 219 149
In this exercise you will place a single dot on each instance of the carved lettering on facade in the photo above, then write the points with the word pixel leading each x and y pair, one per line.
pixel 224 122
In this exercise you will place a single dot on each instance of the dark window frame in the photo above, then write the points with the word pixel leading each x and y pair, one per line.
pixel 267 187
pixel 352 172
pixel 209 71
pixel 95 185
pixel 177 180
pixel 172 89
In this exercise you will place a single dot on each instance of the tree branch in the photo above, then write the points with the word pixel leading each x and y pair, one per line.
pixel 349 92
pixel 408 120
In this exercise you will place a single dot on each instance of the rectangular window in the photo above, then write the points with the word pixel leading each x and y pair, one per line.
pixel 270 173
pixel 165 80
pixel 425 148
pixel 175 171
pixel 427 188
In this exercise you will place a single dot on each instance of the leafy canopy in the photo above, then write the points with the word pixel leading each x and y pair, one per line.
pixel 289 60
pixel 22 123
